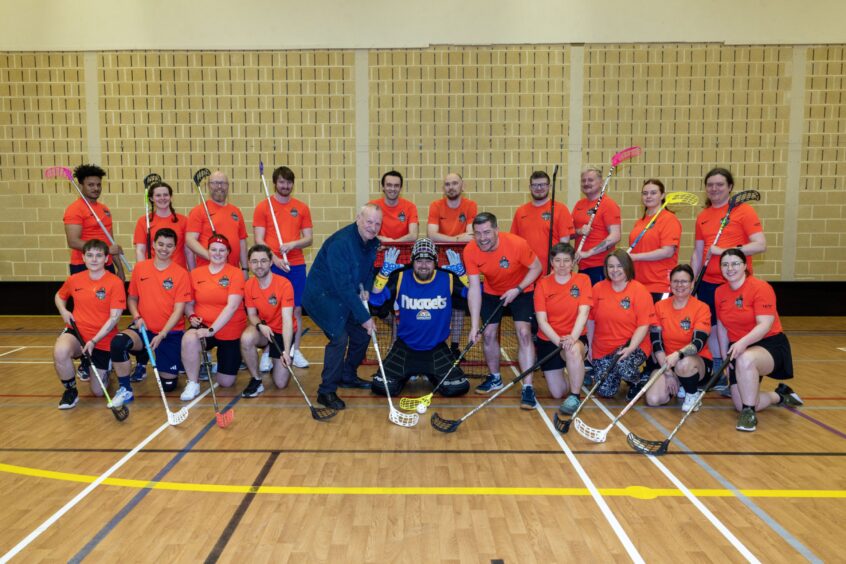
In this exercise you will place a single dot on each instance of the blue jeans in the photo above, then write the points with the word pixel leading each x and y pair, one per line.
pixel 342 356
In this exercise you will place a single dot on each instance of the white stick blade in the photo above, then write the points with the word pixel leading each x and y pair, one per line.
pixel 178 417
pixel 591 434
pixel 403 419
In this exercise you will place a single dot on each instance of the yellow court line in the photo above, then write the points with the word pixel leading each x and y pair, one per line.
pixel 635 492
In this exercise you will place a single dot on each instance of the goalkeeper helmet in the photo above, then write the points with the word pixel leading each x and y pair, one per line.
pixel 424 249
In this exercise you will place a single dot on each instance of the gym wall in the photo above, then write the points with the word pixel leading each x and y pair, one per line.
pixel 774 115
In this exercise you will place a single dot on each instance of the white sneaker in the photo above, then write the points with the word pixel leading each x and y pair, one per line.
pixel 122 396
pixel 191 391
pixel 298 359
pixel 265 365
pixel 681 393
pixel 689 402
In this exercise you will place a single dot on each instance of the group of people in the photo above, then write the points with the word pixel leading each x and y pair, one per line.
pixel 613 311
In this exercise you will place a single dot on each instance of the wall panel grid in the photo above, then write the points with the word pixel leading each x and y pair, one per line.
pixel 492 113
pixel 692 107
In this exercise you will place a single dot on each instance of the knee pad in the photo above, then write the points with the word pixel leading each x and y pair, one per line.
pixel 394 386
pixel 169 385
pixel 120 348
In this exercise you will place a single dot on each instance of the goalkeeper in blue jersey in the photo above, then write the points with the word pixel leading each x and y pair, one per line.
pixel 421 297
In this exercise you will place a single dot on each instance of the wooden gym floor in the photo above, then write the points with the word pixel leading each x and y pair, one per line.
pixel 505 487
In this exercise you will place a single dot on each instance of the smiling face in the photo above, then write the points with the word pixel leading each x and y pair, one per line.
pixel 218 253
pixel 92 187
pixel 651 196
pixel 539 188
pixel 259 264
pixel 424 269
pixel 591 184
pixel 615 271
pixel 681 284
pixel 164 247
pixel 94 259
pixel 718 189
pixel 218 187
pixel 369 222
pixel 161 198
pixel 486 236
pixel 733 269
pixel 284 187
pixel 391 187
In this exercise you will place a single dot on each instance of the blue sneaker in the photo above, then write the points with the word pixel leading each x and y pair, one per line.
pixel 527 398
pixel 490 384
pixel 138 374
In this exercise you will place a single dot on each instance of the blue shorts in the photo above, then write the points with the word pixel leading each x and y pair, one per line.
pixel 297 278
pixel 168 353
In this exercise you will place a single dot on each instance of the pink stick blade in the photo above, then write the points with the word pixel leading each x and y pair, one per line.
pixel 55 171
pixel 625 155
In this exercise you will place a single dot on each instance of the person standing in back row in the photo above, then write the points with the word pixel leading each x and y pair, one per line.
pixel 533 219
pixel 604 232
pixel 399 216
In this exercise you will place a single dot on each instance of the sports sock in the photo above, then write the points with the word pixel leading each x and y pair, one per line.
pixel 577 396
pixel 123 381
pixel 718 363
pixel 69 384
pixel 752 407
pixel 689 383
pixel 496 375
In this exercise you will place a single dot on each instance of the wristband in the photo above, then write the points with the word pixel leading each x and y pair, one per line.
pixel 519 288
pixel 379 283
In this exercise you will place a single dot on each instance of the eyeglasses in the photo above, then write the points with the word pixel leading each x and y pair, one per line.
pixel 737 264
pixel 538 186
pixel 680 282
pixel 218 183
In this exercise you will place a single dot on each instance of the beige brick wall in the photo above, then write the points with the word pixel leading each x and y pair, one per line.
pixel 492 113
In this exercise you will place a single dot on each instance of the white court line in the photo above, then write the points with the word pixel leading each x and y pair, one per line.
pixel 90 488
pixel 594 493
pixel 12 351
pixel 729 536
pixel 841 349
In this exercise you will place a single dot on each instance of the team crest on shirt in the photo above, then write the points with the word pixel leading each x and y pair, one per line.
pixel 685 324
pixel 234 216
pixel 167 284
pixel 294 212
pixel 503 263
pixel 546 216
pixel 107 213
pixel 401 217
pixel 462 218
pixel 272 300
pixel 574 291
pixel 738 303
pixel 224 282
pixel 423 315
pixel 100 293
pixel 626 303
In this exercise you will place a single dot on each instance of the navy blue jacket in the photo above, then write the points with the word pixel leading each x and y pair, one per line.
pixel 331 295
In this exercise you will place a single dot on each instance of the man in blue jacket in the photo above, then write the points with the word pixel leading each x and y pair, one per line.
pixel 333 300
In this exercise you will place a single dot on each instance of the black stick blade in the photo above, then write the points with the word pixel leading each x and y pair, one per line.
pixel 120 413
pixel 643 446
pixel 323 413
pixel 444 425
pixel 562 426
pixel 150 179
pixel 201 175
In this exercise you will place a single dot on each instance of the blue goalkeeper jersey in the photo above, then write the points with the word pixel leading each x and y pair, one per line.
pixel 424 309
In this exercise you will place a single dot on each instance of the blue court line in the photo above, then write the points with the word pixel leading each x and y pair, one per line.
pixel 132 503
pixel 751 505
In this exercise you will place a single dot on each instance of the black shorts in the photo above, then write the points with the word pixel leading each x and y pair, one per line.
pixel 228 354
pixel 779 348
pixel 522 308
pixel 557 362
pixel 100 358
pixel 705 293
pixel 280 342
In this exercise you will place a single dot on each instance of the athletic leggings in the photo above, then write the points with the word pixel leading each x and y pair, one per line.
pixel 627 369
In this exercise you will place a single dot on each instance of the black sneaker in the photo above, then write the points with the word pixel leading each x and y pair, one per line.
pixel 634 389
pixel 254 389
pixel 356 382
pixel 331 400
pixel 69 399
pixel 788 396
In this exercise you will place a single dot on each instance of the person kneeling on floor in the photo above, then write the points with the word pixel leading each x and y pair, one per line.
pixel 421 295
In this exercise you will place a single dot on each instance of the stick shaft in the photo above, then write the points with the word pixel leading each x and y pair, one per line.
pixel 595 210
pixel 273 216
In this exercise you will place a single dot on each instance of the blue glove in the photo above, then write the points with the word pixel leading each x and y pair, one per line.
pixel 455 265
pixel 390 263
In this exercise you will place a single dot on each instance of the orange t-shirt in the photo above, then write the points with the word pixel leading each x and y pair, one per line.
pixel 532 224
pixel 561 302
pixel 211 293
pixel 504 267
pixel 655 274
pixel 228 221
pixel 678 325
pixel 270 301
pixel 451 221
pixel 158 291
pixel 736 309
pixel 607 215
pixel 743 222
pixel 93 302
pixel 78 214
pixel 395 220
pixel 292 218
pixel 617 315
pixel 159 222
